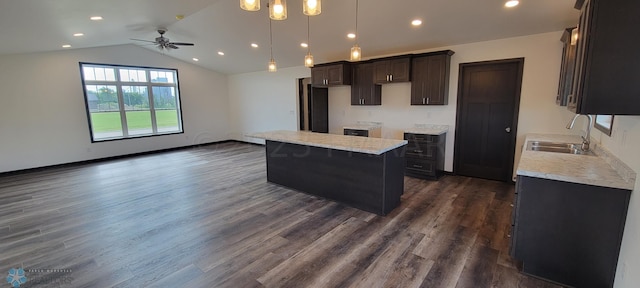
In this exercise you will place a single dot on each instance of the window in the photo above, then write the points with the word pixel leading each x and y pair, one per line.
pixel 126 102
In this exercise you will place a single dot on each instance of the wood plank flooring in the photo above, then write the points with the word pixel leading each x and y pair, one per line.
pixel 206 217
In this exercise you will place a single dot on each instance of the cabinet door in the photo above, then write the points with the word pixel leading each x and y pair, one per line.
pixel 566 68
pixel 583 27
pixel 400 70
pixel 436 80
pixel 363 90
pixel 381 72
pixel 318 76
pixel 419 70
pixel 335 75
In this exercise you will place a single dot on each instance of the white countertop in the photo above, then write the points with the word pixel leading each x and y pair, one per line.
pixel 362 127
pixel 428 129
pixel 367 145
pixel 602 169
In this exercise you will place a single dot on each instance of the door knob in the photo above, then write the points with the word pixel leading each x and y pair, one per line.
pixel 508 129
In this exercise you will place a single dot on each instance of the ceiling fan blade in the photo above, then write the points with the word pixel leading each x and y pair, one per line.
pixel 170 45
pixel 142 40
pixel 182 44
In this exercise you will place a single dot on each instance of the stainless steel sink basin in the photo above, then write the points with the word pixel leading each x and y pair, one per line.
pixel 557 147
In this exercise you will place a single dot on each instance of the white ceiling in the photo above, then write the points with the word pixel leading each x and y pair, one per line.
pixel 220 25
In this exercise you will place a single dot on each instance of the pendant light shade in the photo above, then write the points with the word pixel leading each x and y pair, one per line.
pixel 311 7
pixel 272 66
pixel 356 53
pixel 250 5
pixel 278 9
pixel 308 60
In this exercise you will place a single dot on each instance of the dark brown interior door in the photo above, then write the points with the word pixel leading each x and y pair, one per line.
pixel 488 101
pixel 319 110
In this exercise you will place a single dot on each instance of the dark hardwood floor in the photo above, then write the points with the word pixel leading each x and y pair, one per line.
pixel 206 217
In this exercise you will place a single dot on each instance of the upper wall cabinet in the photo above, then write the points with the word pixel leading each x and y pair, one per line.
pixel 392 70
pixel 363 90
pixel 331 74
pixel 607 67
pixel 430 78
pixel 567 67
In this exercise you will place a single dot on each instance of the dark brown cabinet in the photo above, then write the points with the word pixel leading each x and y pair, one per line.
pixel 607 59
pixel 331 74
pixel 430 78
pixel 424 155
pixel 568 233
pixel 392 70
pixel 356 132
pixel 363 90
pixel 567 67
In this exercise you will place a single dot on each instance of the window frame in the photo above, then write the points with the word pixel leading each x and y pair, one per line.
pixel 120 96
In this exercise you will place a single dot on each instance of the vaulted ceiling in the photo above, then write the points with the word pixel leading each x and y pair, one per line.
pixel 220 25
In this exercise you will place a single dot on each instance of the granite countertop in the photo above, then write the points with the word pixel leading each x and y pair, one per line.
pixel 428 129
pixel 367 145
pixel 601 169
pixel 368 127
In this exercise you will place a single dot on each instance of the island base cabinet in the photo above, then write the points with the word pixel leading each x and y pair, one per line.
pixel 369 182
pixel 568 233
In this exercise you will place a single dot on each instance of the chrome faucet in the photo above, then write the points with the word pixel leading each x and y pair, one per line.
pixel 586 140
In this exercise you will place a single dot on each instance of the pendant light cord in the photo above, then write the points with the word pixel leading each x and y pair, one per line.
pixel 356 22
pixel 308 41
pixel 270 40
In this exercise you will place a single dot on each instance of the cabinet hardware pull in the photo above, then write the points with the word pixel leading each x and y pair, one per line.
pixel 417 166
pixel 391 76
pixel 417 151
pixel 509 236
pixel 511 205
pixel 427 100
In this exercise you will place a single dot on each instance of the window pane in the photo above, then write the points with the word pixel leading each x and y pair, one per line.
pixel 162 76
pixel 136 105
pixel 133 75
pixel 104 110
pixel 89 73
pixel 104 74
pixel 166 109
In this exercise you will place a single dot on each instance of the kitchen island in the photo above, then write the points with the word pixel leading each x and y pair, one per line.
pixel 365 173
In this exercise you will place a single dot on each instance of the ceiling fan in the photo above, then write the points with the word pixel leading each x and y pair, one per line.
pixel 164 43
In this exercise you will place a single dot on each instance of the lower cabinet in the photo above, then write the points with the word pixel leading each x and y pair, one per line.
pixel 356 132
pixel 424 155
pixel 568 233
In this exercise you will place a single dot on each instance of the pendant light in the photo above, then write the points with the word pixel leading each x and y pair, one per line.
pixel 356 52
pixel 278 9
pixel 308 60
pixel 272 63
pixel 311 7
pixel 250 5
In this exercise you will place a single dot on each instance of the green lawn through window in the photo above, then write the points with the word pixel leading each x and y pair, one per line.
pixel 110 121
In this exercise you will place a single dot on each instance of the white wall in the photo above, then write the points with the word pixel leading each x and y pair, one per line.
pixel 623 143
pixel 264 101
pixel 538 111
pixel 43 120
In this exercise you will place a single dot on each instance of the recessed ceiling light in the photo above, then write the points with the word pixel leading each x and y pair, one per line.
pixel 220 53
pixel 416 22
pixel 196 59
pixel 351 35
pixel 254 45
pixel 511 3
pixel 179 17
pixel 78 34
pixel 305 45
pixel 66 46
pixel 96 18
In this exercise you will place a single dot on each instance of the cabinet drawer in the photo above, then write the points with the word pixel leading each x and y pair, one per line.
pixel 355 132
pixel 421 138
pixel 421 166
pixel 424 151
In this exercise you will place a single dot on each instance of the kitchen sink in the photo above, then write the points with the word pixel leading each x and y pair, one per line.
pixel 557 147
